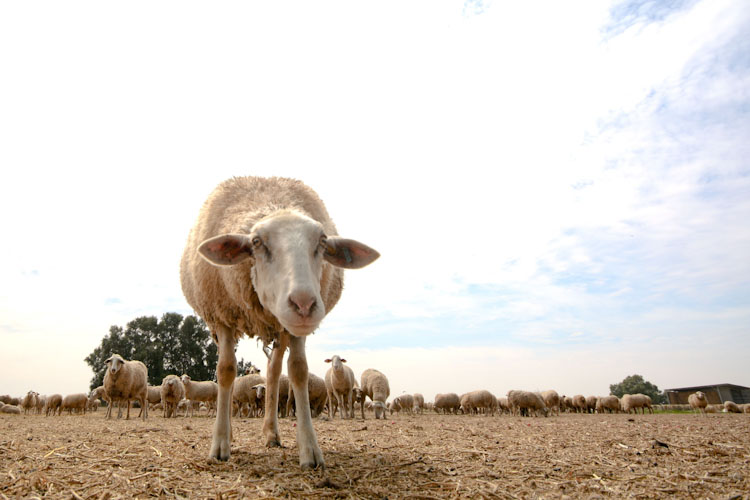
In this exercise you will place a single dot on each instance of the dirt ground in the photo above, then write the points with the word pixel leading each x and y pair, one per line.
pixel 414 456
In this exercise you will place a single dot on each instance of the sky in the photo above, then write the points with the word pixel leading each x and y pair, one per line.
pixel 560 192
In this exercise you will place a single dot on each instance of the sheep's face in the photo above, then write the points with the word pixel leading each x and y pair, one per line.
pixel 288 250
pixel 114 364
pixel 379 408
pixel 336 362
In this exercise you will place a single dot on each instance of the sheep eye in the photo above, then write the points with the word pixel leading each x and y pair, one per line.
pixel 257 242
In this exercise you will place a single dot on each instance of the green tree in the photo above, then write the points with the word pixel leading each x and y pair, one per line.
pixel 172 344
pixel 635 384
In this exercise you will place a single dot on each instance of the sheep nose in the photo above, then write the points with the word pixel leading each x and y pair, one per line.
pixel 302 303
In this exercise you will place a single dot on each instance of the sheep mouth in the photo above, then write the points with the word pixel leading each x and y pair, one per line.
pixel 302 328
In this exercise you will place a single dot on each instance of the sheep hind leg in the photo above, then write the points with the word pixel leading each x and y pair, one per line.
pixel 271 417
pixel 310 456
pixel 226 371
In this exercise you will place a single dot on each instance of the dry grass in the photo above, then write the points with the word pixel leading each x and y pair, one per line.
pixel 429 456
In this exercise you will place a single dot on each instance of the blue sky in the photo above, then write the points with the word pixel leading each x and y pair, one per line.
pixel 560 193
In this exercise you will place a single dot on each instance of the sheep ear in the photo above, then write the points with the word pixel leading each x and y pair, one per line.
pixel 349 254
pixel 226 249
pixel 328 360
pixel 343 360
pixel 109 360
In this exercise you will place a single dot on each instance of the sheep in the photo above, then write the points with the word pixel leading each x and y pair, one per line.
pixel 634 401
pixel 74 402
pixel 610 404
pixel 404 402
pixel 579 403
pixel 591 404
pixel 698 401
pixel 54 404
pixel 199 391
pixel 374 385
pixel 41 402
pixel 318 395
pixel 126 380
pixel 10 409
pixel 473 402
pixel 171 392
pixel 263 259
pixel 745 408
pixel 245 394
pixel 448 403
pixel 418 403
pixel 731 407
pixel 552 401
pixel 523 401
pixel 29 402
pixel 340 383
pixel 503 405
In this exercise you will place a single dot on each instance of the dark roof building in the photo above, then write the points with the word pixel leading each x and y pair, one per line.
pixel 715 394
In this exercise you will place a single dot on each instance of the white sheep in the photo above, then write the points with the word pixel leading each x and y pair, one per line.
pixel 171 392
pixel 245 393
pixel 196 392
pixel 634 401
pixel 29 401
pixel 418 403
pixel 610 404
pixel 374 385
pixel 126 381
pixel 552 401
pixel 318 396
pixel 10 409
pixel 525 403
pixel 479 401
pixel 340 383
pixel 591 404
pixel 579 403
pixel 74 402
pixel 447 403
pixel 731 407
pixel 263 259
pixel 54 403
pixel 698 401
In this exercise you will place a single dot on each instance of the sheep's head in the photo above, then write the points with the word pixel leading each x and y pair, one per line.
pixel 288 251
pixel 379 408
pixel 336 362
pixel 185 379
pixel 114 363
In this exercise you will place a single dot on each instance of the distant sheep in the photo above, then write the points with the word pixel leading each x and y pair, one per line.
pixel 54 404
pixel 10 409
pixel 340 383
pixel 126 381
pixel 479 401
pixel 404 402
pixel 447 403
pixel 731 407
pixel 206 391
pixel 171 392
pixel 698 401
pixel 263 259
pixel 77 402
pixel 317 396
pixel 246 395
pixel 525 403
pixel 631 402
pixel 418 403
pixel 374 385
pixel 579 404
pixel 29 402
pixel 591 404
pixel 609 404
pixel 552 401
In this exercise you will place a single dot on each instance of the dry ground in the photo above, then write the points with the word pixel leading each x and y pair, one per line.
pixel 427 456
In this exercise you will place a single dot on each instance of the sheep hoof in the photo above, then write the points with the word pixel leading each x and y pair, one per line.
pixel 273 442
pixel 220 452
pixel 312 459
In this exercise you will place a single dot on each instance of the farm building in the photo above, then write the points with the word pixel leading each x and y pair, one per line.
pixel 716 394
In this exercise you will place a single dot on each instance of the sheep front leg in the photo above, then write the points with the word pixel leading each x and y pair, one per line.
pixel 226 371
pixel 271 419
pixel 310 456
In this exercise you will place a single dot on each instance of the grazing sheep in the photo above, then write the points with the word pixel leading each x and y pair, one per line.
pixel 745 408
pixel 503 405
pixel 340 383
pixel 731 407
pixel 263 259
pixel 610 404
pixel 40 403
pixel 76 402
pixel 318 395
pixel 566 404
pixel 126 381
pixel 698 401
pixel 634 401
pixel 591 404
pixel 476 401
pixel 418 403
pixel 29 402
pixel 196 392
pixel 54 404
pixel 525 402
pixel 375 386
pixel 552 401
pixel 171 392
pixel 579 403
pixel 447 403
pixel 404 402
pixel 246 395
